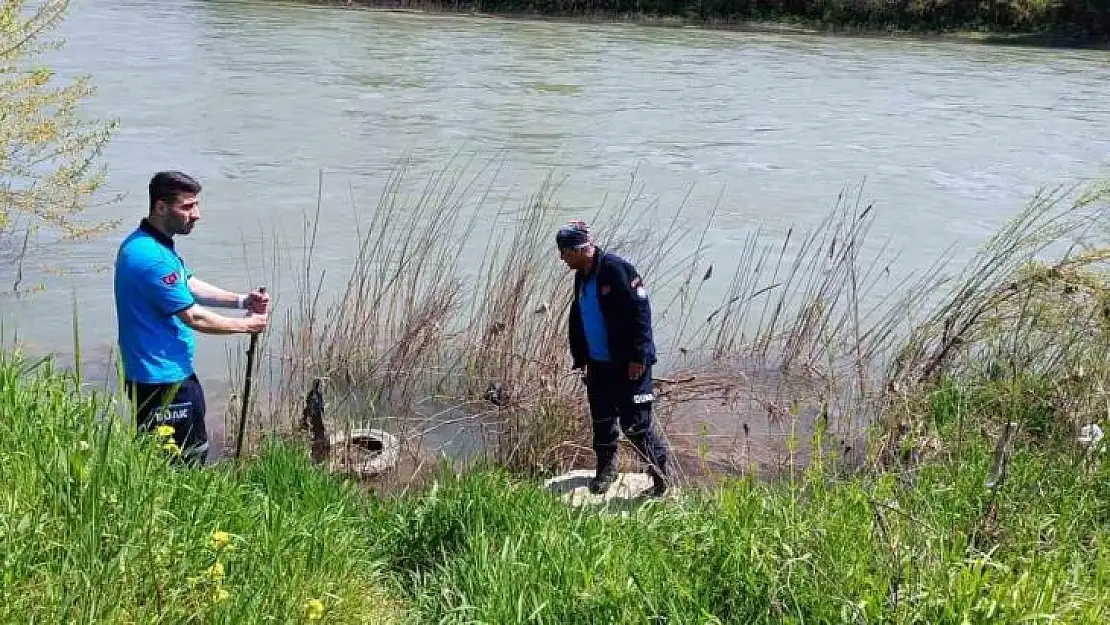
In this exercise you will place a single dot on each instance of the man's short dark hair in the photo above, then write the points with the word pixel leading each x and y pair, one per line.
pixel 165 186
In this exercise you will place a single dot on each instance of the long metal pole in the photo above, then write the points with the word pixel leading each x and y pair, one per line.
pixel 247 390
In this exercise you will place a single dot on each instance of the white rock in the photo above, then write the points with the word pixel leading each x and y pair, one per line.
pixel 1090 435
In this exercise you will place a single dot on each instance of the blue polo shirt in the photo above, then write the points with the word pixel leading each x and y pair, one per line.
pixel 151 288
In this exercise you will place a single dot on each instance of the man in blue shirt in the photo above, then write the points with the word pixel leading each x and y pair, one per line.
pixel 159 305
pixel 611 339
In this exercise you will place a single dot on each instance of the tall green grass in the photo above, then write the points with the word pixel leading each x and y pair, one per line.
pixel 97 526
pixel 891 549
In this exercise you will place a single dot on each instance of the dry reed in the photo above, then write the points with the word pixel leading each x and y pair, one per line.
pixel 814 333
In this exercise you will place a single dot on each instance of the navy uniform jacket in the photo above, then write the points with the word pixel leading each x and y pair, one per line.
pixel 625 308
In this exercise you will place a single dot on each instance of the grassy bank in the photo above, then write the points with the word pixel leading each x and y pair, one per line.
pixel 1070 22
pixel 98 527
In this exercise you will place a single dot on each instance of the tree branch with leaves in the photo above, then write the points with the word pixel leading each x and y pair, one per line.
pixel 49 170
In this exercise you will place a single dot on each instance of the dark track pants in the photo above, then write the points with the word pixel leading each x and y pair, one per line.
pixel 617 401
pixel 180 405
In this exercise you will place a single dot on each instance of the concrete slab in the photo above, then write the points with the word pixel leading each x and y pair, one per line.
pixel 628 491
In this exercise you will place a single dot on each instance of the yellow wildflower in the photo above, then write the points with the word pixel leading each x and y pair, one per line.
pixel 172 448
pixel 220 595
pixel 215 572
pixel 314 609
pixel 220 539
pixel 83 445
pixel 43 132
pixel 165 431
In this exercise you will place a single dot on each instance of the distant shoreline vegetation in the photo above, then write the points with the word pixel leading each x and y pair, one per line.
pixel 1032 22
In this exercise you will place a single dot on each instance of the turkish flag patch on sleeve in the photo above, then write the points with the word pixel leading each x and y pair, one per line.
pixel 170 279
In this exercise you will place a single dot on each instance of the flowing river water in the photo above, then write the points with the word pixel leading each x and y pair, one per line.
pixel 256 98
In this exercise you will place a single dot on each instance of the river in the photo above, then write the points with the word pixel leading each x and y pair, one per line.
pixel 256 98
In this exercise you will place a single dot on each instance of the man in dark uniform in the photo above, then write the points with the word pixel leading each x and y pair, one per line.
pixel 159 304
pixel 611 339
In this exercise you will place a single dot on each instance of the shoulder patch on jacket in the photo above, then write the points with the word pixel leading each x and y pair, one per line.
pixel 637 286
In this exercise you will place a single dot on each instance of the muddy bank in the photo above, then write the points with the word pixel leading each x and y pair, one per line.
pixel 723 420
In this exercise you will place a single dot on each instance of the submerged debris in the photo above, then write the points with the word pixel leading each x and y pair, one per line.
pixel 312 419
pixel 496 394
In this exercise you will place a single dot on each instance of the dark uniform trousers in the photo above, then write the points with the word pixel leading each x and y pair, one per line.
pixel 617 401
pixel 180 405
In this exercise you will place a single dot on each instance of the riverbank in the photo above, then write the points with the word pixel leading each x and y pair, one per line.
pixel 98 527
pixel 1025 23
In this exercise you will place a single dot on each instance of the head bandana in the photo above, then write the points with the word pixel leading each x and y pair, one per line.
pixel 574 235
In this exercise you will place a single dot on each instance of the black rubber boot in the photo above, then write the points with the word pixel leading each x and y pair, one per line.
pixel 659 482
pixel 604 477
pixel 656 458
